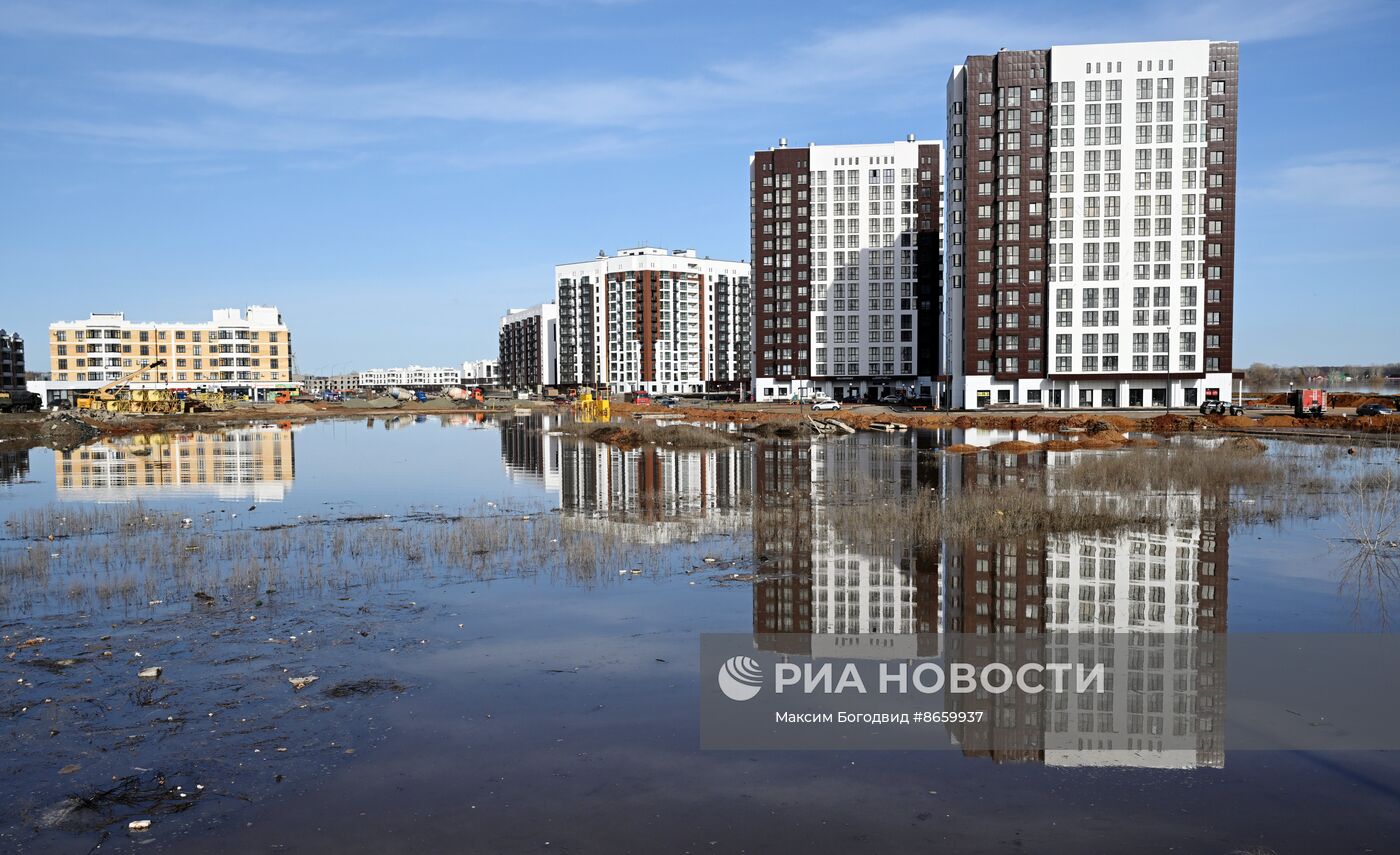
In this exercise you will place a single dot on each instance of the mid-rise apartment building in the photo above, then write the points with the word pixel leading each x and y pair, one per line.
pixel 11 362
pixel 655 320
pixel 481 372
pixel 529 348
pixel 244 353
pixel 847 269
pixel 1091 206
pixel 412 377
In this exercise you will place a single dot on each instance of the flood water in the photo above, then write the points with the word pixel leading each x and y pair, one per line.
pixel 541 693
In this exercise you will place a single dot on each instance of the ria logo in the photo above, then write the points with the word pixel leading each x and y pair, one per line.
pixel 740 678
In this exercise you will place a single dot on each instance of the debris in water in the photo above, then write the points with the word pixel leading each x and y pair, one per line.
pixel 299 683
pixel 149 673
pixel 139 824
pixel 32 642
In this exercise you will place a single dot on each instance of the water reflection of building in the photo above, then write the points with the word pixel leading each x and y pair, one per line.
pixel 837 580
pixel 14 466
pixel 648 493
pixel 1148 603
pixel 256 463
pixel 830 576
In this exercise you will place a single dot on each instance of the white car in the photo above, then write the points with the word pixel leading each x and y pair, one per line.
pixel 823 406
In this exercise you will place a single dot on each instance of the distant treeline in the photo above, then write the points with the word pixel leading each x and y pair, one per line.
pixel 1267 378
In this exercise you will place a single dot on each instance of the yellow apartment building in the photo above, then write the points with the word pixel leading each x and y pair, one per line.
pixel 238 352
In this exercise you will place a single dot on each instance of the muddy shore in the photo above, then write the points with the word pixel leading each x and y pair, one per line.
pixel 66 430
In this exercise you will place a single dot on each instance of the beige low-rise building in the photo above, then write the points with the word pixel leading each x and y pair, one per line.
pixel 243 353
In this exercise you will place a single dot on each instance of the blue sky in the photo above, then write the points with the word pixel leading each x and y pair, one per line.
pixel 395 175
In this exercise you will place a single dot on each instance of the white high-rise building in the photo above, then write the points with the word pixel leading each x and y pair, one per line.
pixel 1091 224
pixel 655 320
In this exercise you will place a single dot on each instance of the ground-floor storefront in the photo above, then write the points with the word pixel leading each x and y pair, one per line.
pixel 853 389
pixel 1090 392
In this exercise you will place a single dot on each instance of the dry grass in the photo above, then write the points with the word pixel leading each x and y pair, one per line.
pixel 117 553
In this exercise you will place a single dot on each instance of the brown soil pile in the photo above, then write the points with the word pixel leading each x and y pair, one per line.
pixel 1279 421
pixel 1169 423
pixel 1246 444
pixel 1103 439
pixel 622 437
pixel 1142 443
pixel 1061 445
pixel 1236 422
pixel 1015 446
pixel 960 448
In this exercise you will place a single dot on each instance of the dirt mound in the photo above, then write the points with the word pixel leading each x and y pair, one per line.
pixel 1062 445
pixel 1246 444
pixel 622 437
pixel 960 448
pixel 1279 421
pixel 1236 422
pixel 1016 446
pixel 1141 443
pixel 65 431
pixel 1098 424
pixel 1171 423
pixel 680 436
pixel 775 430
pixel 1103 439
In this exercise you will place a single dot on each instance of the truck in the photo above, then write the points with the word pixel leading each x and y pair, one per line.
pixel 405 394
pixel 1308 402
pixel 20 401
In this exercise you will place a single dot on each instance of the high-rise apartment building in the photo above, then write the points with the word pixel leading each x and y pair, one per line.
pixel 245 353
pixel 529 348
pixel 655 320
pixel 847 269
pixel 1091 207
pixel 11 362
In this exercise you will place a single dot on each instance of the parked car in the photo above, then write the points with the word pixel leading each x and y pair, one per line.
pixel 668 400
pixel 824 406
pixel 891 400
pixel 1374 410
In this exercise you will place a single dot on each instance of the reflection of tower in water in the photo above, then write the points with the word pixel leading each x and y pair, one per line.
pixel 827 584
pixel 1147 603
pixel 649 493
pixel 14 466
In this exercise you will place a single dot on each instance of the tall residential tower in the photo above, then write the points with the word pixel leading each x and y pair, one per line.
pixel 1091 224
pixel 847 269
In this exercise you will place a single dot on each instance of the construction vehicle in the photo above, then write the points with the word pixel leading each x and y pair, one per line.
pixel 1308 403
pixel 1221 408
pixel 475 394
pixel 592 406
pixel 405 395
pixel 20 401
pixel 118 396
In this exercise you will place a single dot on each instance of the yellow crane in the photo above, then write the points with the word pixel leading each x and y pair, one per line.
pixel 117 397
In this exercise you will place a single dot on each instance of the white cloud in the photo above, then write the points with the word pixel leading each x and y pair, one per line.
pixel 901 60
pixel 1351 179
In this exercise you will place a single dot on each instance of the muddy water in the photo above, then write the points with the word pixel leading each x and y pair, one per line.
pixel 503 625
